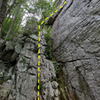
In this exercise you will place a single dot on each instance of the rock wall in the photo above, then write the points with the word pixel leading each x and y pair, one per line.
pixel 76 47
pixel 18 71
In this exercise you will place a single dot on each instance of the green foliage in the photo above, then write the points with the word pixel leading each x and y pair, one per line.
pixel 42 86
pixel 10 17
pixel 36 48
pixel 9 38
pixel 26 32
pixel 41 8
pixel 6 28
pixel 31 26
pixel 1 81
pixel 48 38
pixel 8 64
pixel 57 69
pixel 51 9
pixel 44 7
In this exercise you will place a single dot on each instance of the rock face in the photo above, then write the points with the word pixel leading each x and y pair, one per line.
pixel 18 71
pixel 76 46
pixel 76 49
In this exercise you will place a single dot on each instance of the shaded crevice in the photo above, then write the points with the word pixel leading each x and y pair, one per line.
pixel 60 79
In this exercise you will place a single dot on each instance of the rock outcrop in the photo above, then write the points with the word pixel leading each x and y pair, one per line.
pixel 76 47
pixel 18 71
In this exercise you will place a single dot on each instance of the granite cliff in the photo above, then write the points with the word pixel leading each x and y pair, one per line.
pixel 76 47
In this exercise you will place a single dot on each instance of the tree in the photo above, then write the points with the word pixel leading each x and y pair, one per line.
pixel 45 7
pixel 6 7
pixel 9 10
pixel 3 9
pixel 14 20
pixel 31 26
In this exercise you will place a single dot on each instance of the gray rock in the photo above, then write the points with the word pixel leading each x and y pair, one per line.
pixel 22 66
pixel 57 98
pixel 5 89
pixel 18 48
pixel 29 46
pixel 76 45
pixel 10 45
pixel 27 53
pixel 54 84
pixel 34 37
pixel 33 61
pixel 48 91
pixel 56 93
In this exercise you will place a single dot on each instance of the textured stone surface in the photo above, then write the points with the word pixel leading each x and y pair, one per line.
pixel 54 84
pixel 18 75
pixel 76 49
pixel 76 44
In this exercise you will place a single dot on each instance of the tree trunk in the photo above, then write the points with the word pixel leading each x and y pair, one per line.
pixel 17 26
pixel 1 2
pixel 0 29
pixel 14 20
pixel 11 7
pixel 4 24
pixel 3 9
pixel 4 12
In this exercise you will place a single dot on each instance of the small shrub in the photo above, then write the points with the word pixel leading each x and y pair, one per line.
pixel 42 86
pixel 48 50
pixel 26 32
pixel 8 64
pixel 36 48
pixel 1 81
pixel 57 69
